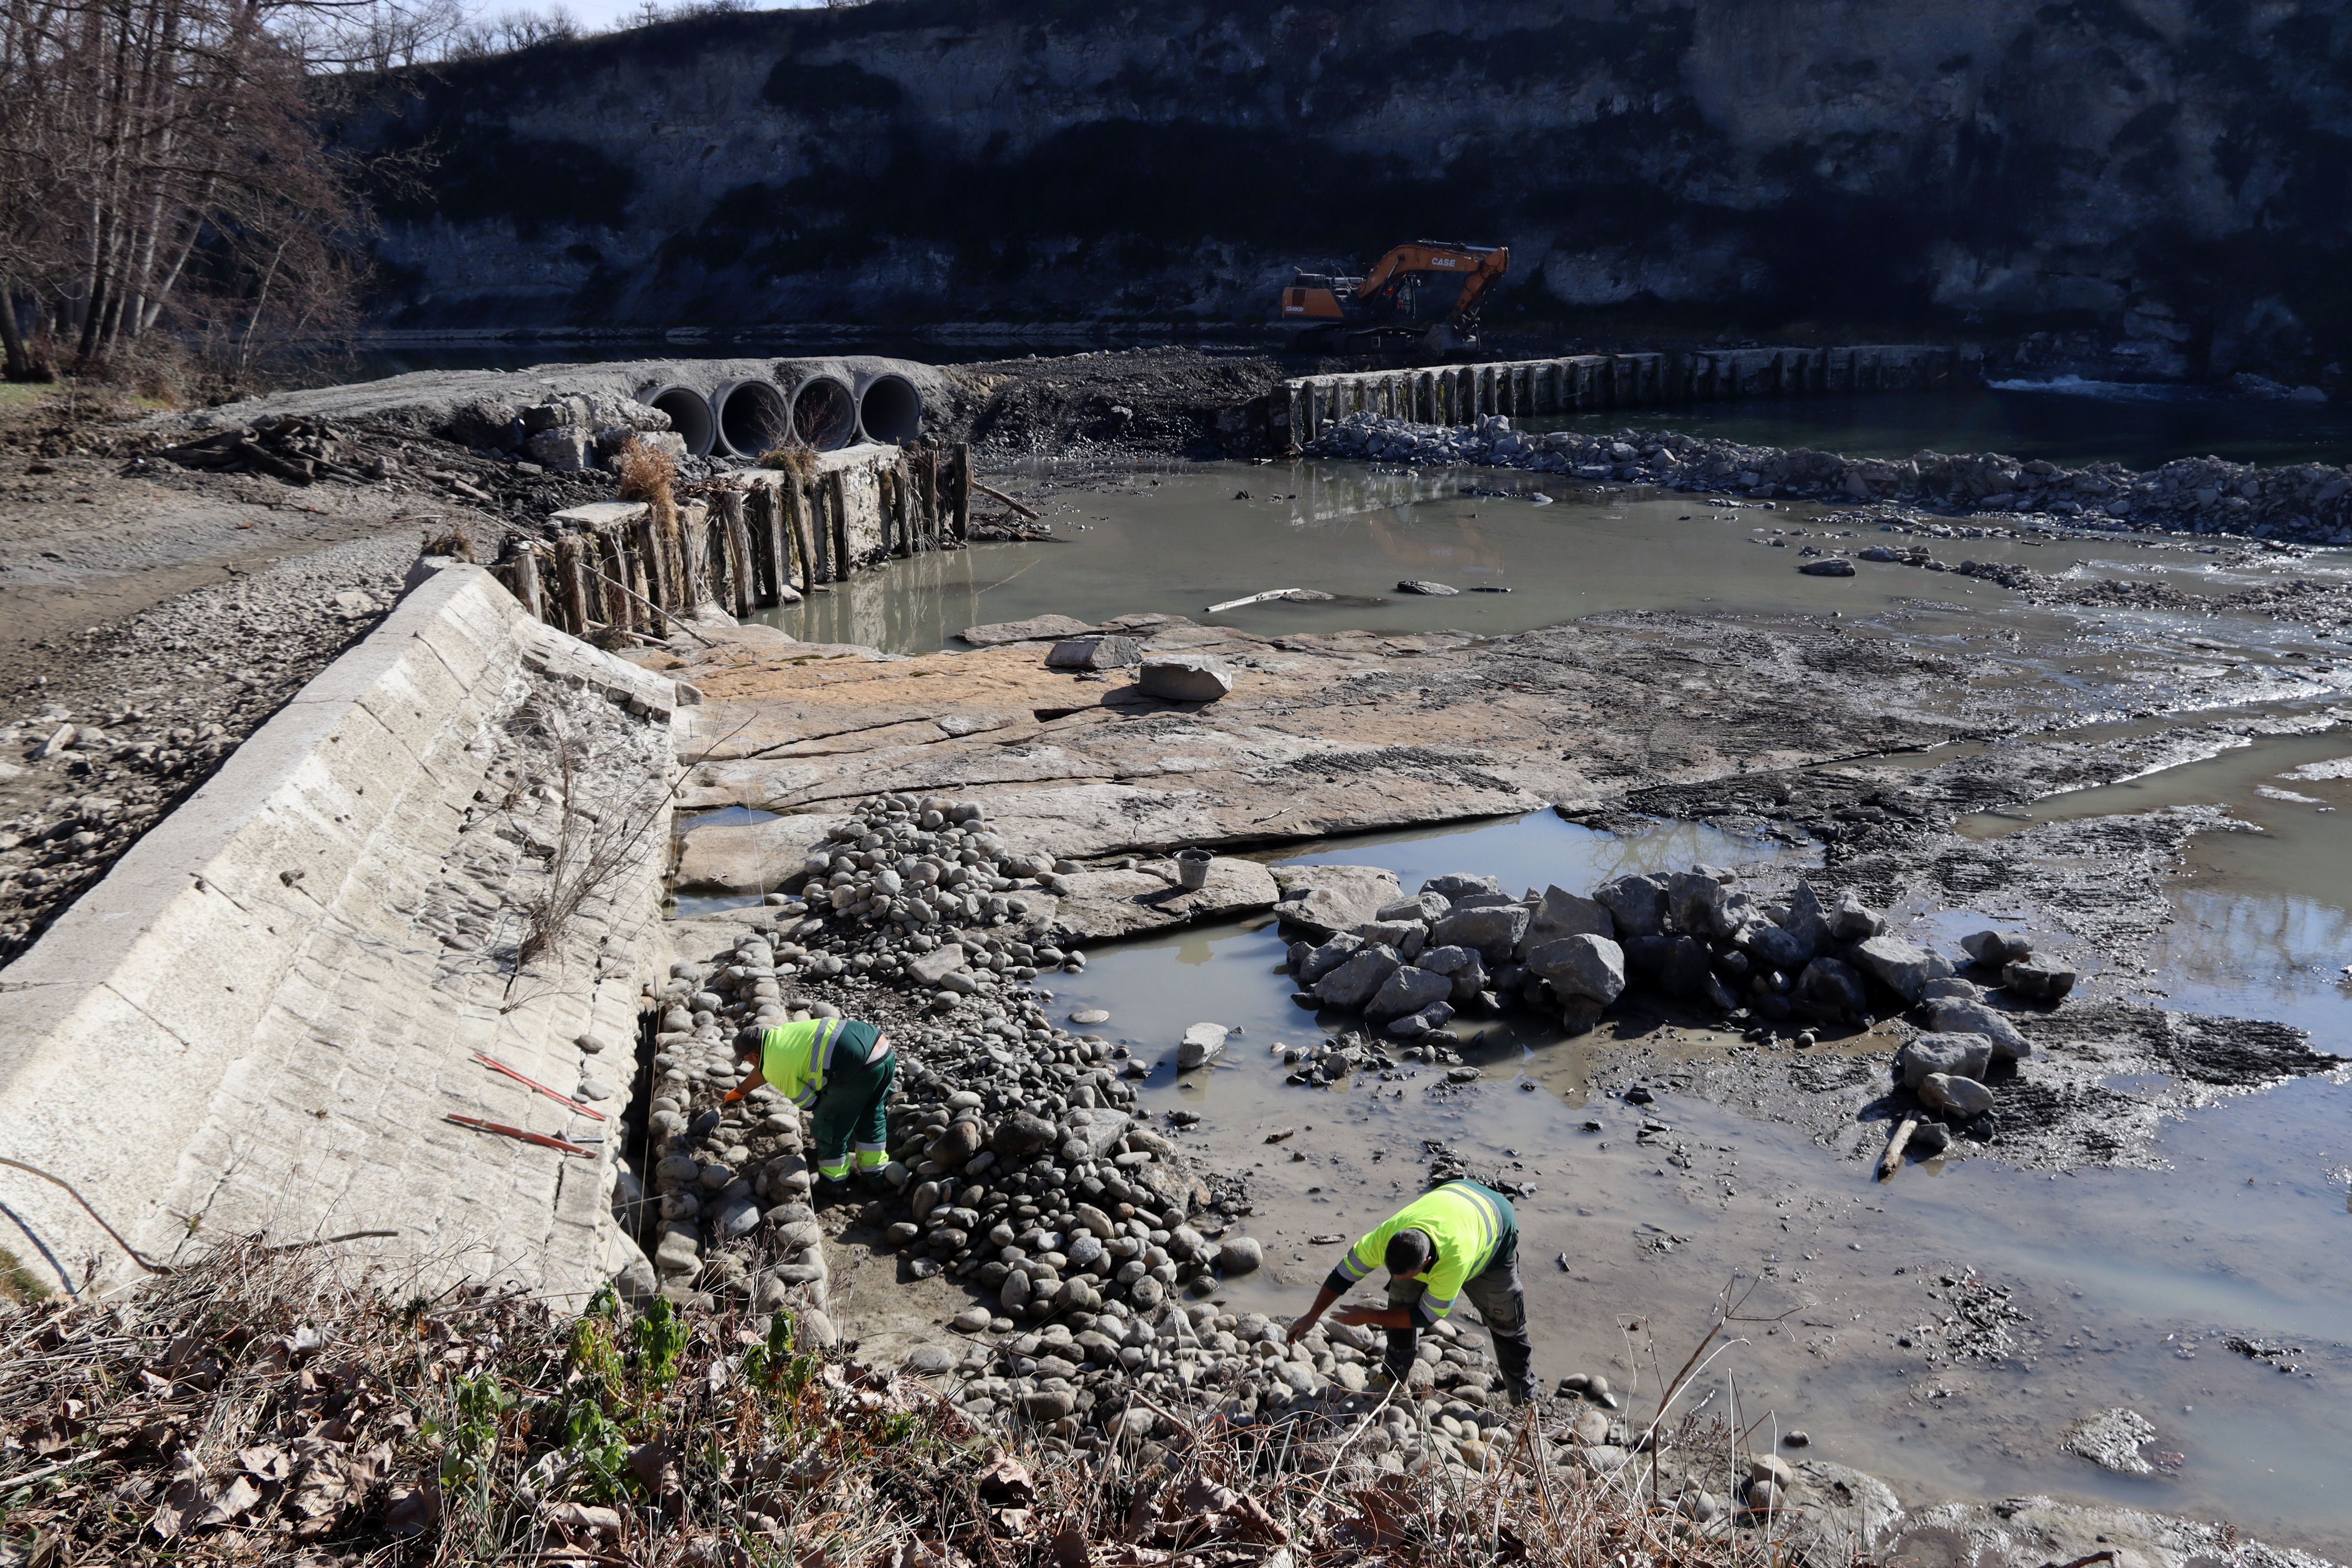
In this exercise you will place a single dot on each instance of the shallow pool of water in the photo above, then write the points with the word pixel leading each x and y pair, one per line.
pixel 2131 1281
pixel 1180 541
pixel 2264 927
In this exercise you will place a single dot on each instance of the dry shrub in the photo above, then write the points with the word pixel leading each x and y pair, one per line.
pixel 269 1403
pixel 796 460
pixel 648 473
pixel 453 543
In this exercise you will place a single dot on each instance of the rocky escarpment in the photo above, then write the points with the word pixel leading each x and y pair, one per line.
pixel 2161 182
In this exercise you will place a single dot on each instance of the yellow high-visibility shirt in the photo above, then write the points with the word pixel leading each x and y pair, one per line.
pixel 795 1057
pixel 1465 1224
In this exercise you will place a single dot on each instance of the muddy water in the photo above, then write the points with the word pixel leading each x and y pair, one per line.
pixel 2129 1281
pixel 1178 541
pixel 2264 923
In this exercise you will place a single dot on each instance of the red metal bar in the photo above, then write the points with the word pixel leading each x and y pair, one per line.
pixel 496 1064
pixel 539 1138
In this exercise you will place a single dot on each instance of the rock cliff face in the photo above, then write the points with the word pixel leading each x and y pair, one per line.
pixel 2171 179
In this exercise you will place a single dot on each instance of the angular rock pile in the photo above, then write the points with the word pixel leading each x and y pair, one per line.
pixel 1462 944
pixel 1946 1071
pixel 2308 501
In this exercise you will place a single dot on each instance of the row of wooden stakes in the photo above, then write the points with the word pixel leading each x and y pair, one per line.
pixel 747 540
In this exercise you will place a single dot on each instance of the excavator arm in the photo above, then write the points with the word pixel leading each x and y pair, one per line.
pixel 1478 267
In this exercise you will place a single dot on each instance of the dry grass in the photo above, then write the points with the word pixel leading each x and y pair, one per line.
pixel 647 475
pixel 794 460
pixel 266 1404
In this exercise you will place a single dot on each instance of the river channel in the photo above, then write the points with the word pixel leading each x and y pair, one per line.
pixel 2128 1286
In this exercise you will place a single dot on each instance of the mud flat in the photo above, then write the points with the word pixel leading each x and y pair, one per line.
pixel 1867 748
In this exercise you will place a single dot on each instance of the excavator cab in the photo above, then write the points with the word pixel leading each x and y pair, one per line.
pixel 1426 293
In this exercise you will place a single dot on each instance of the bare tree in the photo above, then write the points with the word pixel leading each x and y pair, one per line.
pixel 161 168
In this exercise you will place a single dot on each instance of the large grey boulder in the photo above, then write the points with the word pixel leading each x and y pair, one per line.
pixel 1776 947
pixel 1018 1137
pixel 1202 1044
pixel 1903 967
pixel 1185 678
pixel 1638 905
pixel 1954 1015
pixel 1409 990
pixel 1963 1097
pixel 1322 961
pixel 930 968
pixel 1590 967
pixel 1562 913
pixel 1325 899
pixel 1426 908
pixel 1806 919
pixel 1456 885
pixel 1038 628
pixel 1682 966
pixel 1360 979
pixel 1494 931
pixel 1854 921
pixel 1446 960
pixel 1693 900
pixel 2038 979
pixel 1994 948
pixel 1393 932
pixel 1094 653
pixel 1832 988
pixel 1469 981
pixel 1961 1055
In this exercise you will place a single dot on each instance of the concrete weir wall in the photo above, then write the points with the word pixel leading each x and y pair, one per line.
pixel 1457 394
pixel 261 1018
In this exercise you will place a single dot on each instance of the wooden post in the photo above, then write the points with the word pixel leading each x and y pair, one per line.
pixel 573 578
pixel 764 574
pixel 795 524
pixel 737 545
pixel 902 506
pixel 836 500
pixel 960 489
pixel 614 568
pixel 927 495
pixel 654 560
pixel 780 550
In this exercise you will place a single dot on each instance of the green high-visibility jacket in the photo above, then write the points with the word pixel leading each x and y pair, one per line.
pixel 1466 1223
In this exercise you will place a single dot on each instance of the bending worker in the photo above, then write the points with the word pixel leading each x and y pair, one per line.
pixel 1454 1240
pixel 841 1068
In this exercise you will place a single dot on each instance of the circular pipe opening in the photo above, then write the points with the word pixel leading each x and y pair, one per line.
pixel 752 418
pixel 890 410
pixel 825 414
pixel 690 416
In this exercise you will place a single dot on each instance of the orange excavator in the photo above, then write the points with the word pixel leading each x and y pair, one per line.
pixel 1428 291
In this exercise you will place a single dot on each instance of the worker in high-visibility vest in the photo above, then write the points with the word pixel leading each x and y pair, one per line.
pixel 1456 1240
pixel 840 1069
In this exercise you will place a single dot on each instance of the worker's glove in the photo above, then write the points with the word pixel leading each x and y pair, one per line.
pixel 733 1095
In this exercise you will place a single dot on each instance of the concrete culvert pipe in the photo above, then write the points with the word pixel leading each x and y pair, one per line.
pixel 752 418
pixel 889 409
pixel 690 416
pixel 825 414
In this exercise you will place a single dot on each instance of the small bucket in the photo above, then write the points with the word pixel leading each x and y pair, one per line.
pixel 1192 869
